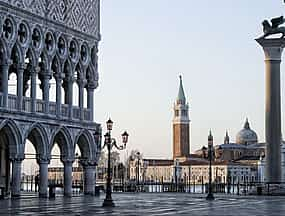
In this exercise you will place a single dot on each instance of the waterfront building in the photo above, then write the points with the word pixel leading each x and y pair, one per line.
pixel 45 43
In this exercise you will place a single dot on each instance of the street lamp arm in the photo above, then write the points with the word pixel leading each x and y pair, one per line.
pixel 105 143
pixel 114 143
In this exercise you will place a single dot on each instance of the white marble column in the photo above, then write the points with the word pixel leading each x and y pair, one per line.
pixel 43 180
pixel 90 102
pixel 68 178
pixel 273 50
pixel 89 179
pixel 16 177
pixel 58 94
pixel 20 86
pixel 33 89
pixel 5 78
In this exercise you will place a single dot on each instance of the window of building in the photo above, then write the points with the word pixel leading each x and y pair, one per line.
pixel 176 113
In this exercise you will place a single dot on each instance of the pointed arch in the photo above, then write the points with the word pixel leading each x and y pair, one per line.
pixel 17 54
pixel 3 51
pixel 86 144
pixel 62 137
pixel 39 138
pixel 14 137
pixel 68 68
pixel 31 55
pixel 55 65
pixel 79 70
pixel 89 74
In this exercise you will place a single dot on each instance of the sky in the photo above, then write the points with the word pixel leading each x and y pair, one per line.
pixel 147 44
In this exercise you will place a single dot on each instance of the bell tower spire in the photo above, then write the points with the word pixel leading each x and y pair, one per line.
pixel 181 134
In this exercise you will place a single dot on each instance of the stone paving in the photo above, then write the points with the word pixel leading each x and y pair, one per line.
pixel 146 204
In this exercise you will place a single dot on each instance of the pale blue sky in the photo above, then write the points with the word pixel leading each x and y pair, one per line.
pixel 147 44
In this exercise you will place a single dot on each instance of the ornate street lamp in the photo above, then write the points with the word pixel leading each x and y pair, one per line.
pixel 110 142
pixel 210 195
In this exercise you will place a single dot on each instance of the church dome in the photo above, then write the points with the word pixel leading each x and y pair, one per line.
pixel 246 136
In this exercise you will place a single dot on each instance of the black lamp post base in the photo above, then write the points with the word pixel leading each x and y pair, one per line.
pixel 108 203
pixel 210 196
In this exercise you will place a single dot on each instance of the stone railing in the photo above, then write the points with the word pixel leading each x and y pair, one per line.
pixel 40 108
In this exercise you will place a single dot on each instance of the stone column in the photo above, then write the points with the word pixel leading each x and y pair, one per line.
pixel 273 50
pixel 283 161
pixel 16 177
pixel 90 102
pixel 68 178
pixel 33 89
pixel 89 179
pixel 69 95
pixel 43 180
pixel 5 78
pixel 20 85
pixel 58 94
pixel 81 84
pixel 45 86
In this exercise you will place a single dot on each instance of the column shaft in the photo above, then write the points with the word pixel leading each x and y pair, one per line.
pixel 273 120
pixel 90 102
pixel 16 178
pixel 68 179
pixel 89 180
pixel 5 78
pixel 273 49
pixel 33 90
pixel 20 87
pixel 69 96
pixel 43 181
pixel 58 96
pixel 45 89
pixel 81 99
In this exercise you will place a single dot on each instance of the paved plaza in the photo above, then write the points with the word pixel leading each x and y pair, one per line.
pixel 146 204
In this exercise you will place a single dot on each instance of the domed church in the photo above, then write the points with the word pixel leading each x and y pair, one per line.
pixel 246 136
pixel 246 146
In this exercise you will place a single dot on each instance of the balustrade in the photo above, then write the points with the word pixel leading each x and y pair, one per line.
pixel 40 104
pixel 76 112
pixel 27 104
pixel 12 102
pixel 1 99
pixel 40 108
pixel 64 110
pixel 52 108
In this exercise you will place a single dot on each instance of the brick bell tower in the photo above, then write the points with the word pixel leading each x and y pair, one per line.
pixel 181 133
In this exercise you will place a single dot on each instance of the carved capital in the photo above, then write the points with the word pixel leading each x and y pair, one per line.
pixel 88 163
pixel 67 161
pixel 43 160
pixel 17 158
pixel 272 48
pixel 59 76
pixel 6 62
pixel 81 82
pixel 92 85
pixel 21 67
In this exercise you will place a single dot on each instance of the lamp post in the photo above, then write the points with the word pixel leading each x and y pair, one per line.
pixel 210 195
pixel 138 171
pixel 110 142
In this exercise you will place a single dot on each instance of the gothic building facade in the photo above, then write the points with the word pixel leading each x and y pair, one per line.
pixel 42 41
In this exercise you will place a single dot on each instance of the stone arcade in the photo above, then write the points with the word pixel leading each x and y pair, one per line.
pixel 44 40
